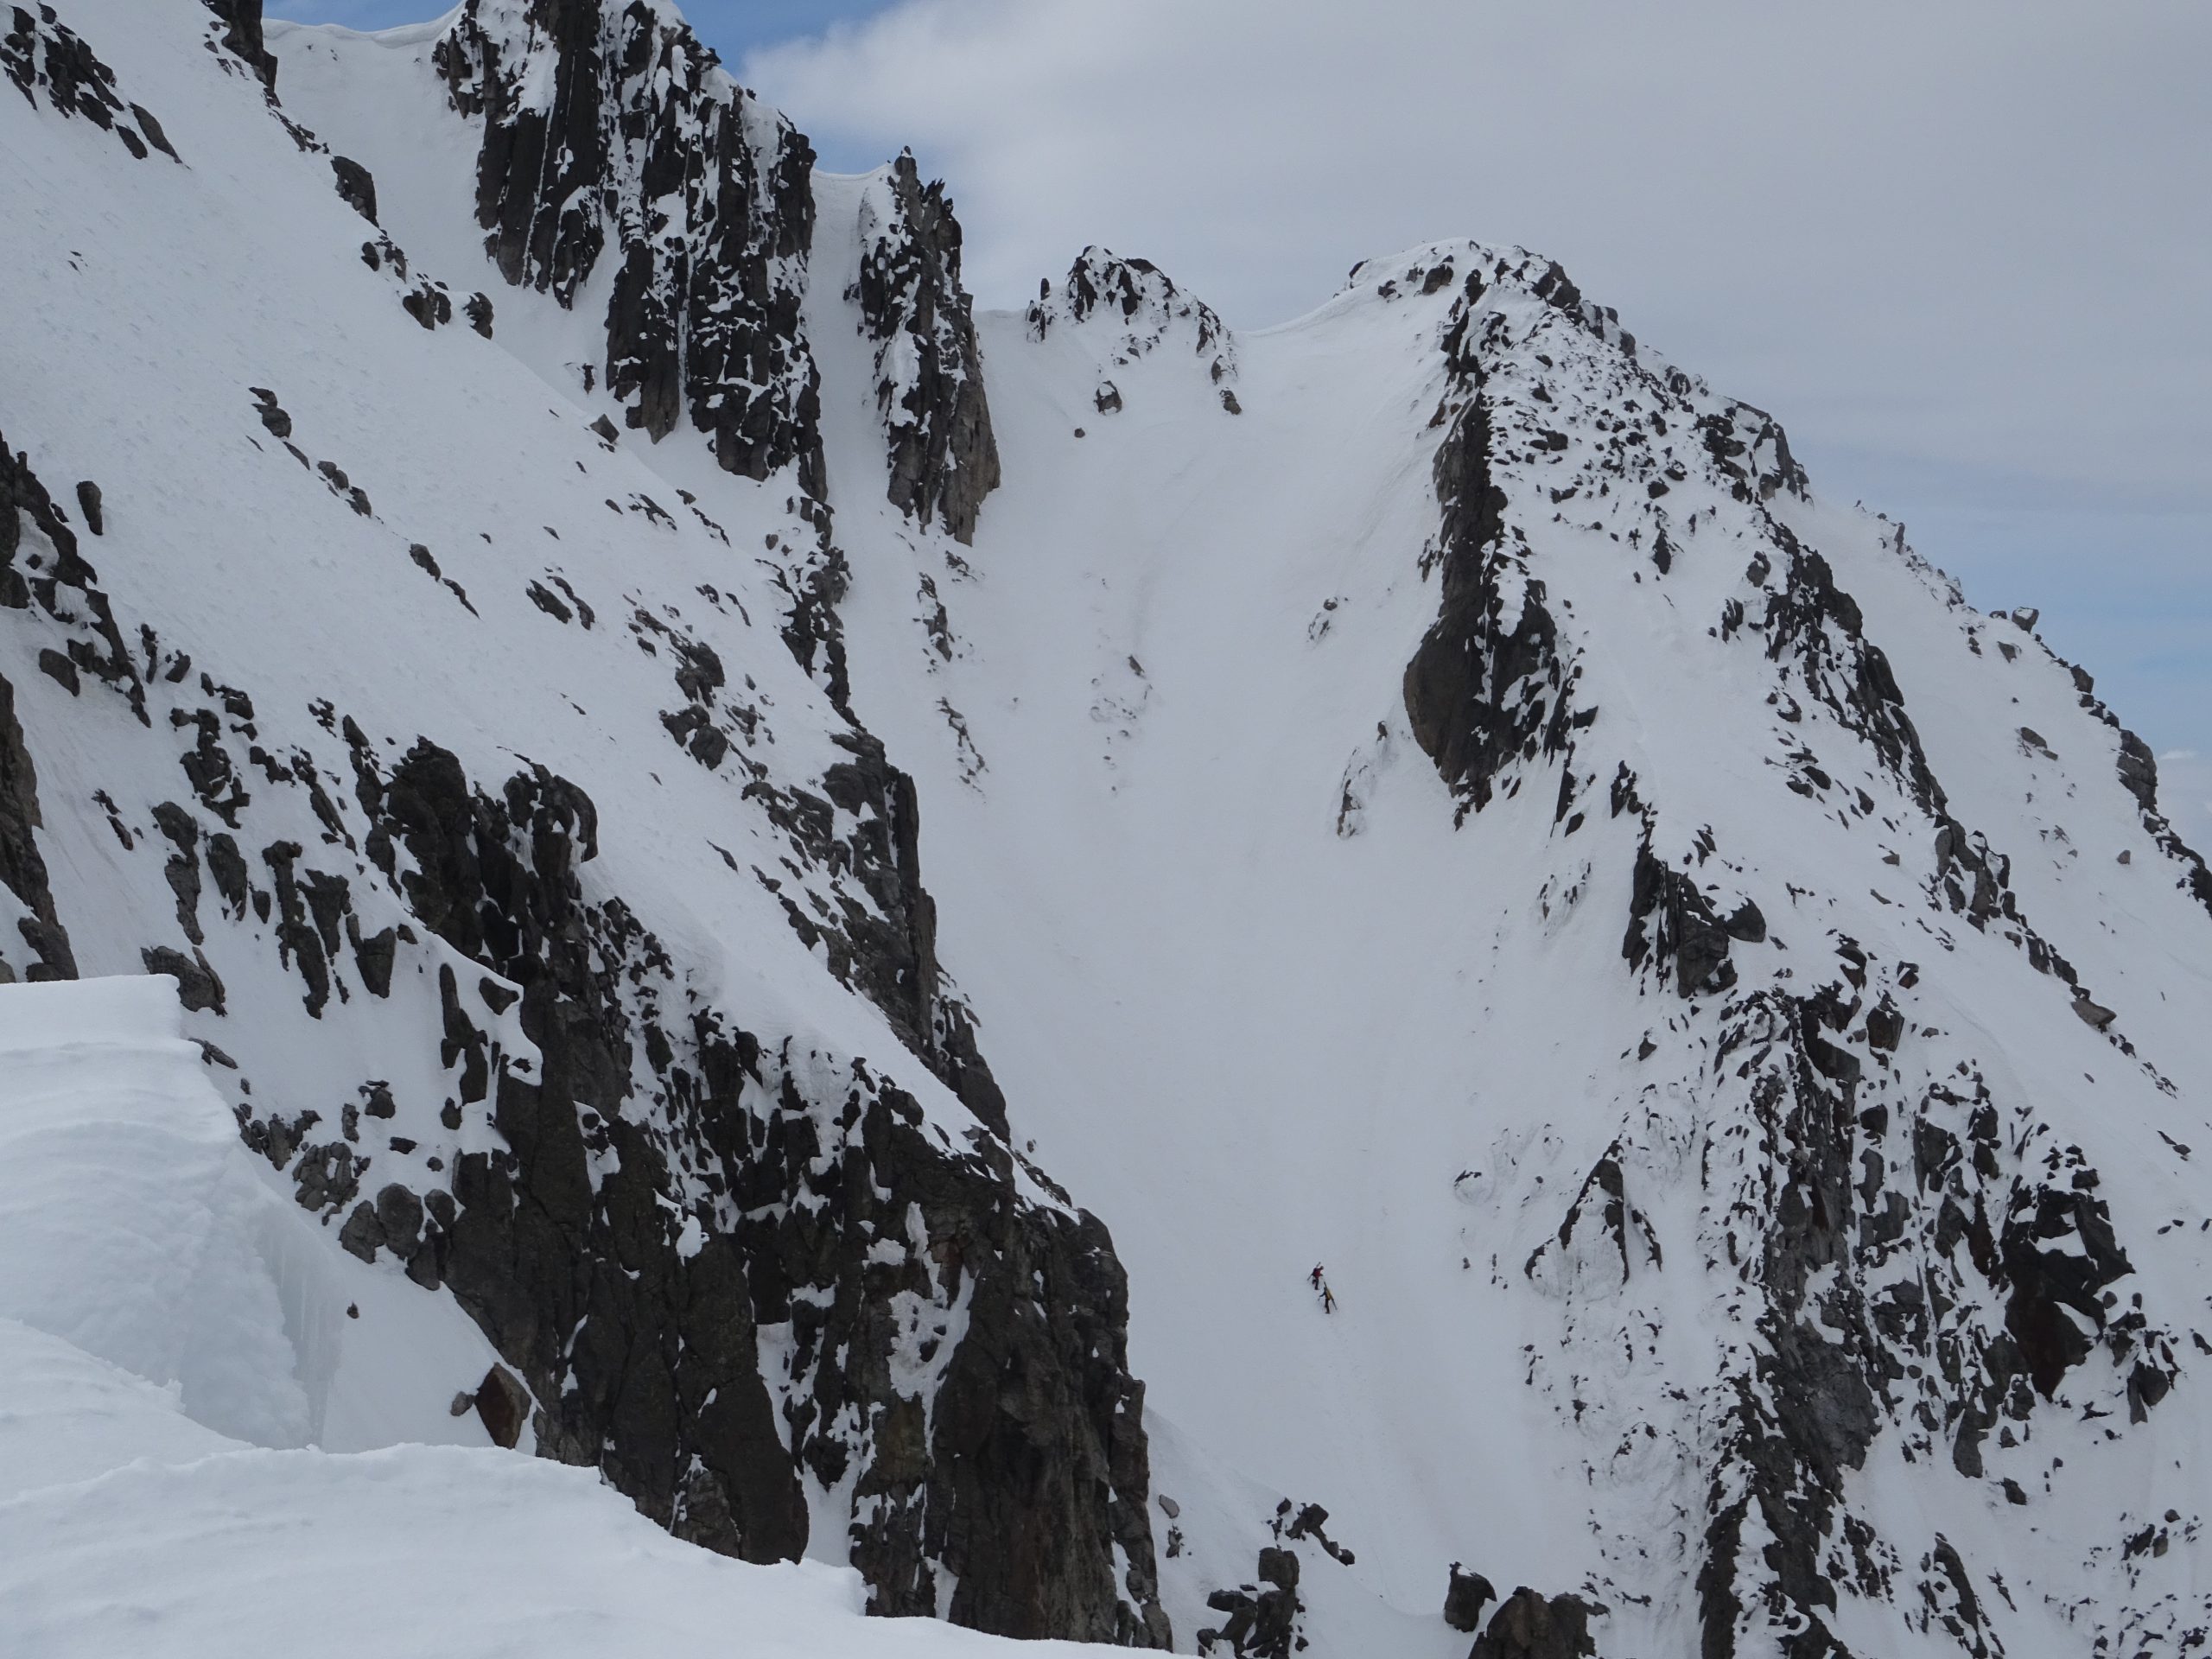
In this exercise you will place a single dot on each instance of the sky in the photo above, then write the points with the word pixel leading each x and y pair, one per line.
pixel 1959 249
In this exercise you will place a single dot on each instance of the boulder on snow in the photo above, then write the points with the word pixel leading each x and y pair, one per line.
pixel 504 1404
pixel 362 1232
pixel 1465 1598
pixel 357 186
pixel 2095 1015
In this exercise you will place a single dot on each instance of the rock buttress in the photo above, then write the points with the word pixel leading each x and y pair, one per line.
pixel 929 369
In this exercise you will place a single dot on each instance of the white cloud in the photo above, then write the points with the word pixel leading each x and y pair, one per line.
pixel 1965 233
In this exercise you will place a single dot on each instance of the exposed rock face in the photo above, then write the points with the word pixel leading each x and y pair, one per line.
pixel 242 35
pixel 1527 1626
pixel 1487 685
pixel 1136 309
pixel 929 372
pixel 503 1406
pixel 596 121
pixel 55 577
pixel 22 872
pixel 633 1323
pixel 356 185
pixel 737 1275
pixel 1465 1598
pixel 698 1184
pixel 52 65
pixel 1928 1261
pixel 888 951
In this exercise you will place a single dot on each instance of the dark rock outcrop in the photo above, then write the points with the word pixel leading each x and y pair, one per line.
pixel 23 871
pixel 1139 310
pixel 43 55
pixel 356 185
pixel 1486 685
pixel 928 371
pixel 1527 1626
pixel 704 322
pixel 1263 1615
pixel 242 35
pixel 58 581
pixel 1464 1599
pixel 592 1251
pixel 1673 926
pixel 503 1405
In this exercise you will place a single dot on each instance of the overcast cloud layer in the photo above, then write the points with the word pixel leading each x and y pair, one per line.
pixel 1961 249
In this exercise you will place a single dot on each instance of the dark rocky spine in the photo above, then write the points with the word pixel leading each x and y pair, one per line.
pixel 703 320
pixel 943 457
pixel 242 35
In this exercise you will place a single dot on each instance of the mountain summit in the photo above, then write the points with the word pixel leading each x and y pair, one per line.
pixel 844 908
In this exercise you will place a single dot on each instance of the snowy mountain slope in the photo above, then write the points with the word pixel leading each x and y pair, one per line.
pixel 588 976
pixel 1292 1012
pixel 133 1525
pixel 1429 789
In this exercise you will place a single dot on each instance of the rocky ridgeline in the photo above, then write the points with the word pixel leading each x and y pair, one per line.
pixel 1920 1258
pixel 756 1282
pixel 1132 309
pixel 929 373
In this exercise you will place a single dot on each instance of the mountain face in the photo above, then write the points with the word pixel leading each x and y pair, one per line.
pixel 561 629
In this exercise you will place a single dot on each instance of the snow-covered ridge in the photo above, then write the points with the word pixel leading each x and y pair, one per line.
pixel 1137 310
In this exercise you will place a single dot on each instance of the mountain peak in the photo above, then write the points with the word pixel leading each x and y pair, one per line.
pixel 1144 984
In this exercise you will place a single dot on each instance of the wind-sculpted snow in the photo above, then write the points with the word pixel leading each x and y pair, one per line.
pixel 1643 1060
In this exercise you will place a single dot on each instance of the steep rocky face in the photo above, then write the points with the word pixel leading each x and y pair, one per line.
pixel 243 36
pixel 1928 1258
pixel 610 133
pixel 1695 974
pixel 23 871
pixel 740 1269
pixel 928 371
pixel 728 1272
pixel 1530 1626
